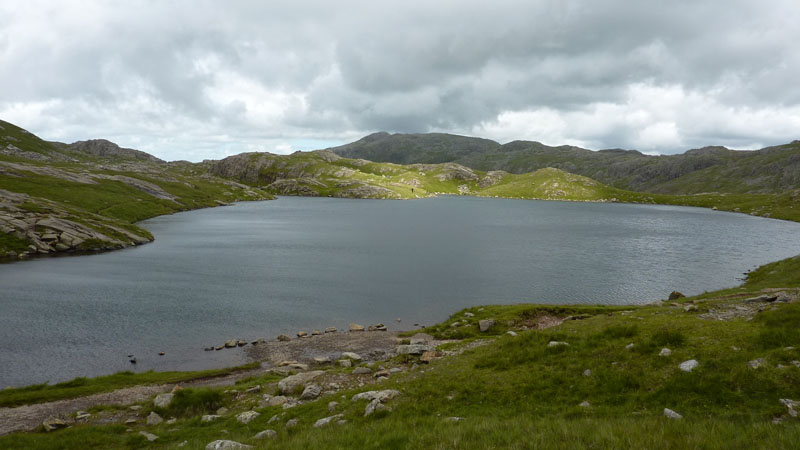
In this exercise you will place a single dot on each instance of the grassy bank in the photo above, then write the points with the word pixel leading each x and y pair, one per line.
pixel 523 392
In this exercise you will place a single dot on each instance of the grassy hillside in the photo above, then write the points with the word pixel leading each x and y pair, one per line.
pixel 87 196
pixel 606 386
pixel 711 169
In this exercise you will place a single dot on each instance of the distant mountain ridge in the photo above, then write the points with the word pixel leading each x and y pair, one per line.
pixel 709 169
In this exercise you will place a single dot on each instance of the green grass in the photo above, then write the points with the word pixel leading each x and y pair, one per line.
pixel 78 387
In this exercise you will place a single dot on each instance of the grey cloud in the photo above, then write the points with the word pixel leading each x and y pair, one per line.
pixel 329 71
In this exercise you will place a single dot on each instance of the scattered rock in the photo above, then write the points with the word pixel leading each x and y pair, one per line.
pixel 292 383
pixel 761 299
pixel 130 422
pixel 469 314
pixel 587 373
pixel 183 444
pixel 330 330
pixel 82 415
pixel 154 419
pixel 756 363
pixel 253 390
pixel 351 355
pixel 670 414
pixel 172 421
pixel 453 419
pixel 53 423
pixel 149 436
pixel 277 400
pixel 284 338
pixel 688 308
pixel 630 346
pixel 247 416
pixel 209 418
pixel 259 341
pixel 511 333
pixel 585 404
pixel 230 344
pixel 316 333
pixel 135 407
pixel 790 405
pixel 163 400
pixel 665 352
pixel 485 325
pixel 556 344
pixel 265 434
pixel 430 355
pixel 322 360
pixel 345 363
pixel 674 295
pixel 326 420
pixel 311 392
pixel 687 366
pixel 356 327
pixel 361 371
pixel 412 349
pixel 223 444
pixel 241 343
pixel 332 406
pixel 382 396
pixel 302 334
pixel 291 423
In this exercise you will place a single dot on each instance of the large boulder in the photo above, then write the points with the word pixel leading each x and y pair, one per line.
pixel 223 444
pixel 485 325
pixel 293 383
pixel 163 400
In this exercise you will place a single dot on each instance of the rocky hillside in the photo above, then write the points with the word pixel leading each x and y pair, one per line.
pixel 86 196
pixel 709 169
pixel 323 173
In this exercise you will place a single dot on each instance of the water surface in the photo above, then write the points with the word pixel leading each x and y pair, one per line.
pixel 260 269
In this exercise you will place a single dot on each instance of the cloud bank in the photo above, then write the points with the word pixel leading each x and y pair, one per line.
pixel 205 79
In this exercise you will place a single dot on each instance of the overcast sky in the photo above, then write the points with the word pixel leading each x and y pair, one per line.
pixel 205 79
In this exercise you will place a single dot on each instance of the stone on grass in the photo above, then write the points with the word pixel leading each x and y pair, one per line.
pixel 291 423
pixel 585 404
pixel 384 395
pixel 311 392
pixel 149 436
pixel 293 383
pixel 351 355
pixel 361 371
pixel 163 400
pixel 429 356
pixel 556 344
pixel 469 314
pixel 209 418
pixel 665 352
pixel 453 419
pixel 511 333
pixel 224 444
pixel 326 420
pixel 486 324
pixel 332 406
pixel 790 405
pixel 687 366
pixel 247 416
pixel 277 400
pixel 53 423
pixel 345 363
pixel 374 406
pixel 154 418
pixel 630 346
pixel 265 434
pixel 412 349
pixel 222 411
pixel 587 373
pixel 670 414
pixel 756 363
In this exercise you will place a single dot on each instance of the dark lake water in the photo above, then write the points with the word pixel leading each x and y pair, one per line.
pixel 260 269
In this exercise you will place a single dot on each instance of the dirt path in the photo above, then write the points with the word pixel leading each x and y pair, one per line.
pixel 370 345
pixel 29 417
